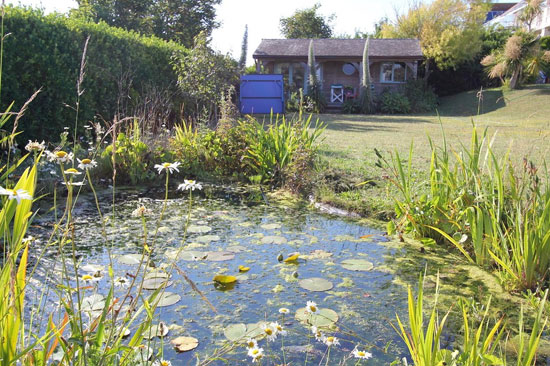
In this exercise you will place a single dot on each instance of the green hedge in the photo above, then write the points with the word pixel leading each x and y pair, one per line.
pixel 45 51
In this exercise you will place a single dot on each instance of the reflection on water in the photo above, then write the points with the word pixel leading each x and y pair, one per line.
pixel 229 228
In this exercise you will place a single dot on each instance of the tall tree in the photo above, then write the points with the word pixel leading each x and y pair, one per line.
pixel 244 50
pixel 306 23
pixel 449 30
pixel 176 20
pixel 532 9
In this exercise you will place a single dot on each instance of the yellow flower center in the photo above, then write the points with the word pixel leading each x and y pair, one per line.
pixel 86 161
pixel 361 353
pixel 166 165
pixel 313 308
pixel 255 351
pixel 279 328
pixel 268 331
pixel 164 363
pixel 330 339
pixel 250 344
pixel 61 154
pixel 87 277
pixel 72 170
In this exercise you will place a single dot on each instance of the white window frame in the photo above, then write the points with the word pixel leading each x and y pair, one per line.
pixel 393 63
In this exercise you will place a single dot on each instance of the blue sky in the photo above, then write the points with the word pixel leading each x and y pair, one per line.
pixel 262 17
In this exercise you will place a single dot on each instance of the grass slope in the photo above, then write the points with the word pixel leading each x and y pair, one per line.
pixel 519 120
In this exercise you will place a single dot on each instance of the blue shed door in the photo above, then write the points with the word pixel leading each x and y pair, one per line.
pixel 262 94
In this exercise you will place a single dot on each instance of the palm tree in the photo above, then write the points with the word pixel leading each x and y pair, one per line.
pixel 520 57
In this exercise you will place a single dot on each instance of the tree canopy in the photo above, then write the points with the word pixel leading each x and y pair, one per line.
pixel 449 30
pixel 307 23
pixel 176 20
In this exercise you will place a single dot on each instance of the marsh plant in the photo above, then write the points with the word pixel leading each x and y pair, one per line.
pixel 495 213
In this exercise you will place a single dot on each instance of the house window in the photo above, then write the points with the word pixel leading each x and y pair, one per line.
pixel 393 72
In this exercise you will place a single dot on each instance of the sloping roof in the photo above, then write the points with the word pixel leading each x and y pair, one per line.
pixel 330 47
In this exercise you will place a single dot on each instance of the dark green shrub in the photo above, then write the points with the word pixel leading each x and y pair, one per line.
pixel 351 106
pixel 421 96
pixel 45 51
pixel 394 102
pixel 545 43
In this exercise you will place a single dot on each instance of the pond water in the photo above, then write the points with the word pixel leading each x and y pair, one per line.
pixel 229 228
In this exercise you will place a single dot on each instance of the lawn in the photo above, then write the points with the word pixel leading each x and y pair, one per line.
pixel 519 120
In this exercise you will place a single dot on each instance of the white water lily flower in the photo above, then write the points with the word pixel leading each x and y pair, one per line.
pixel 35 146
pixel 189 185
pixel 169 167
pixel 284 311
pixel 311 307
pixel 15 194
pixel 60 156
pixel 278 328
pixel 256 353
pixel 85 164
pixel 72 171
pixel 162 363
pixel 361 354
pixel 331 341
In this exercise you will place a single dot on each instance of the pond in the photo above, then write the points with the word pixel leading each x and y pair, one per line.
pixel 339 267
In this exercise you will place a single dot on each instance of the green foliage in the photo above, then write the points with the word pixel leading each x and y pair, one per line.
pixel 204 75
pixel 449 30
pixel 394 102
pixel 482 340
pixel 175 20
pixel 545 43
pixel 45 51
pixel 421 96
pixel 495 214
pixel 306 23
pixel 351 106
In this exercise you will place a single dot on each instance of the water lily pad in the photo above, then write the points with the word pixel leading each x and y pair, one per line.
pixel 315 284
pixel 274 239
pixel 236 248
pixel 156 283
pixel 184 344
pixel 156 330
pixel 317 254
pixel 235 332
pixel 199 229
pixel 157 273
pixel 132 259
pixel 207 238
pixel 186 255
pixel 322 319
pixel 357 265
pixel 167 299
pixel 272 226
pixel 220 256
pixel 224 280
pixel 92 268
pixel 95 302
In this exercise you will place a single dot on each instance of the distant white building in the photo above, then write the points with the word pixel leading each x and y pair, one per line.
pixel 509 19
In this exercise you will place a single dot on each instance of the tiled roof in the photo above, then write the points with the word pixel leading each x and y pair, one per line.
pixel 330 47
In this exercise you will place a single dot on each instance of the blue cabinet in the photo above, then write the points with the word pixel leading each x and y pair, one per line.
pixel 262 94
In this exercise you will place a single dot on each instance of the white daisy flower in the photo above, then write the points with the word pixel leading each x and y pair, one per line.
pixel 15 194
pixel 35 145
pixel 121 282
pixel 311 307
pixel 284 311
pixel 270 332
pixel 251 343
pixel 162 363
pixel 169 167
pixel 72 171
pixel 331 341
pixel 86 164
pixel 319 336
pixel 256 353
pixel 361 354
pixel 73 184
pixel 60 156
pixel 278 328
pixel 189 185
pixel 141 211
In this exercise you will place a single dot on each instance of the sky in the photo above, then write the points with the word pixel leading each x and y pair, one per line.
pixel 262 18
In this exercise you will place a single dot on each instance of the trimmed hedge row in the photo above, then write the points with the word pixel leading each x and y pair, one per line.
pixel 45 51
